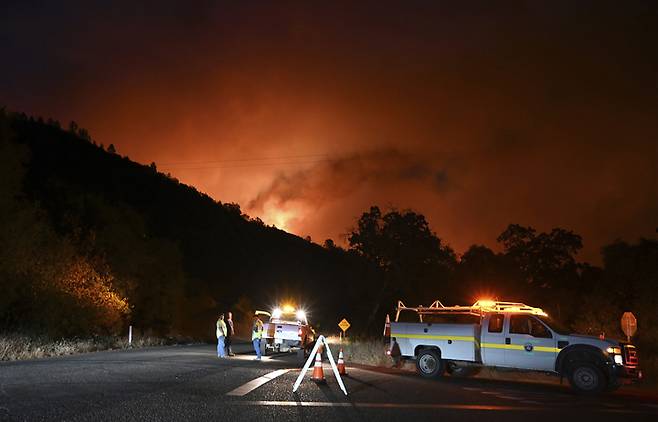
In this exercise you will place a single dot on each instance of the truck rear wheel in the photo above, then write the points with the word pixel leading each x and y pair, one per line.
pixel 429 363
pixel 586 378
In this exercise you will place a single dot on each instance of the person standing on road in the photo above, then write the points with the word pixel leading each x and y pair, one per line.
pixel 257 335
pixel 229 334
pixel 221 336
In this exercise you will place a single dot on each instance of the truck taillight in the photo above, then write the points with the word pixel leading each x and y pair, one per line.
pixel 630 355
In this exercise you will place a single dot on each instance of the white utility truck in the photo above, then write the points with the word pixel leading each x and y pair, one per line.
pixel 462 339
pixel 286 330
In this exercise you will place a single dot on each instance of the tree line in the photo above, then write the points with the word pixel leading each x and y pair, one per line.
pixel 92 241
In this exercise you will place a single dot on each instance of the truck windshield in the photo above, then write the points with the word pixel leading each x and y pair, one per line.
pixel 555 325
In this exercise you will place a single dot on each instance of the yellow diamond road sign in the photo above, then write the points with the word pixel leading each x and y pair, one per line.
pixel 344 325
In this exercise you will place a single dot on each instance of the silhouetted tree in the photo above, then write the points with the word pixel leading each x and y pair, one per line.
pixel 329 244
pixel 416 263
pixel 84 134
pixel 544 258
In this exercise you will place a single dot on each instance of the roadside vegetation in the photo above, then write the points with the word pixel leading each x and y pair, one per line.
pixel 21 347
pixel 362 351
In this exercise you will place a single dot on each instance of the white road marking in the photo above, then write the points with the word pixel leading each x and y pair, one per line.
pixel 472 407
pixel 380 405
pixel 471 389
pixel 509 397
pixel 254 384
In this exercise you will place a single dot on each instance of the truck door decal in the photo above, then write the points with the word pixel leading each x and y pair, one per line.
pixel 519 347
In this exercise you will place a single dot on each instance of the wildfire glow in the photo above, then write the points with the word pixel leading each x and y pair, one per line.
pixel 279 217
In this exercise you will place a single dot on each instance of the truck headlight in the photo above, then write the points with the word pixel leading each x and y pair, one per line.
pixel 276 313
pixel 619 360
pixel 301 315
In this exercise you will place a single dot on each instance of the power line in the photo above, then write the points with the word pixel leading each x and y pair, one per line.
pixel 229 166
pixel 258 159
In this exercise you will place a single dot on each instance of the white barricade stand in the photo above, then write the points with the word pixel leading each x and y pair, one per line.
pixel 320 340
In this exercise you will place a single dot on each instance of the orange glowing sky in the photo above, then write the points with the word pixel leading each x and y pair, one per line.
pixel 477 117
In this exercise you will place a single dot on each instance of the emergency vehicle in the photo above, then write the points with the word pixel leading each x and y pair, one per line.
pixel 287 329
pixel 463 339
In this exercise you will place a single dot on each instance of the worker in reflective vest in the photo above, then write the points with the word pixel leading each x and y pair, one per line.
pixel 257 335
pixel 221 336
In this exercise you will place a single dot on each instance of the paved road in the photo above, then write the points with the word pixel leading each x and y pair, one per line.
pixel 190 383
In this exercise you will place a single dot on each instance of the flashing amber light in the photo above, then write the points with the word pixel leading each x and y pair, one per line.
pixel 288 309
pixel 486 303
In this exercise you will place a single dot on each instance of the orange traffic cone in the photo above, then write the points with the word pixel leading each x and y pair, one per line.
pixel 318 372
pixel 387 328
pixel 341 363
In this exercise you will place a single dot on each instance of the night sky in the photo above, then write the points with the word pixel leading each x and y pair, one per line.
pixel 477 115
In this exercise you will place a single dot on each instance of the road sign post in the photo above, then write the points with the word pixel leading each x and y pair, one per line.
pixel 344 325
pixel 629 325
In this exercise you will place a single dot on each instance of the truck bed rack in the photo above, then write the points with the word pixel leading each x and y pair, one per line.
pixel 479 308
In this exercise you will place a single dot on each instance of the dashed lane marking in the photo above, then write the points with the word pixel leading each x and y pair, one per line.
pixel 254 384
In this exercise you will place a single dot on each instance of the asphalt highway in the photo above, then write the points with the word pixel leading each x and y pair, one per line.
pixel 191 383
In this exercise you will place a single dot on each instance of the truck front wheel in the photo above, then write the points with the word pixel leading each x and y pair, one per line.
pixel 586 378
pixel 429 363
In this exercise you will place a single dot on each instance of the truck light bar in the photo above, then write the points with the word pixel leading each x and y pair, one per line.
pixel 479 308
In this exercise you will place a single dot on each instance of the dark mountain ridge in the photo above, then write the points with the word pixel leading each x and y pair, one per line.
pixel 115 207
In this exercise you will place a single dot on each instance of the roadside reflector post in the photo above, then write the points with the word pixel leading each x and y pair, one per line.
pixel 130 336
pixel 320 341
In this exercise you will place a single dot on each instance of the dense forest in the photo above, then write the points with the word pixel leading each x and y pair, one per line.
pixel 91 242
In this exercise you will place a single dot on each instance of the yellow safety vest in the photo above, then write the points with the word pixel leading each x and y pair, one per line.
pixel 257 331
pixel 221 328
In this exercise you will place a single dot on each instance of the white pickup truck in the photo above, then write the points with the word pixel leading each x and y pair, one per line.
pixel 287 329
pixel 462 339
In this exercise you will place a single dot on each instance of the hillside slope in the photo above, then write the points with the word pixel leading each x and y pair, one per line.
pixel 179 256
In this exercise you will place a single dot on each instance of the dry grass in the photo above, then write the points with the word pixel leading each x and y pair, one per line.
pixel 649 365
pixel 21 347
pixel 361 351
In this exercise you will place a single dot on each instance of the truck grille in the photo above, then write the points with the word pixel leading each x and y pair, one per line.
pixel 630 355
